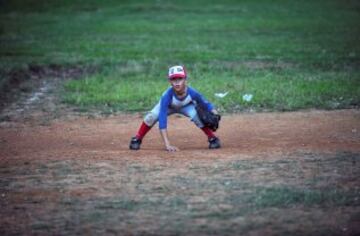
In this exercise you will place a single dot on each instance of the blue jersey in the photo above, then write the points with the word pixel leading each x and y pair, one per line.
pixel 170 100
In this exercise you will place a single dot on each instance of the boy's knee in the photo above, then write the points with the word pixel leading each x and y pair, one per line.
pixel 150 119
pixel 194 117
pixel 197 121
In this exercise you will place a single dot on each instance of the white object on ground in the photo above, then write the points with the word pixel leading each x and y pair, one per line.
pixel 221 95
pixel 247 97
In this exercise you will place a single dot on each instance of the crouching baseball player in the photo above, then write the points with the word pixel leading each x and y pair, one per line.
pixel 179 98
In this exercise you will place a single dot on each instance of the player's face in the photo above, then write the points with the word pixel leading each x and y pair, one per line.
pixel 178 84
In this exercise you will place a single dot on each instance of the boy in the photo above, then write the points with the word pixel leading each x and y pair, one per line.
pixel 179 98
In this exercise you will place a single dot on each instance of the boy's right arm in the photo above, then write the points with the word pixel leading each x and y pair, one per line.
pixel 164 103
pixel 165 138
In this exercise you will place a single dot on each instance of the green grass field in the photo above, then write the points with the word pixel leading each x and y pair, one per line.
pixel 289 54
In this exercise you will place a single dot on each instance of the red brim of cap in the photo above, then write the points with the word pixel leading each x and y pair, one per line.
pixel 177 76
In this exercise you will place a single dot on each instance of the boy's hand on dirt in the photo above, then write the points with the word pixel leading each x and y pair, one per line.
pixel 171 148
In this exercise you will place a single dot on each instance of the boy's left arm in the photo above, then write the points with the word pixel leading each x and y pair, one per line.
pixel 202 101
pixel 207 112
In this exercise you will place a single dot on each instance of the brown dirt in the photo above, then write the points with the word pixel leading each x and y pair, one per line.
pixel 76 175
pixel 247 134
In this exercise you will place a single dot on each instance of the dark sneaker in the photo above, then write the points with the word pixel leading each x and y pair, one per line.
pixel 214 143
pixel 135 143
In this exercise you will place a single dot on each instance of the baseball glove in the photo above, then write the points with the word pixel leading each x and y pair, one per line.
pixel 208 118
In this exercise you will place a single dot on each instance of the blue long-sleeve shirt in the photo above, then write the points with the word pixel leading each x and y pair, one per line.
pixel 170 100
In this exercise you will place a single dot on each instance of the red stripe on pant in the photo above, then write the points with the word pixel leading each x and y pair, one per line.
pixel 144 128
pixel 208 132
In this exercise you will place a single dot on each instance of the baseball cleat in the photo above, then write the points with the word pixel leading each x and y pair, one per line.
pixel 135 143
pixel 214 143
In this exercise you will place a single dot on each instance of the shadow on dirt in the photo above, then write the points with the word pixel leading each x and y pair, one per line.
pixel 18 82
pixel 33 93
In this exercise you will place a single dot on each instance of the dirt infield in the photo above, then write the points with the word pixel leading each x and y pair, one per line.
pixel 323 131
pixel 77 176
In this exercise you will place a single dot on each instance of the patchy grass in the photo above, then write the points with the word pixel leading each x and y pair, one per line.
pixel 304 193
pixel 289 197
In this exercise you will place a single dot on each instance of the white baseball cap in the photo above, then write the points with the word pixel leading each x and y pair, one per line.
pixel 177 72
